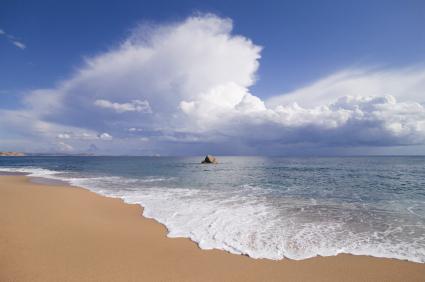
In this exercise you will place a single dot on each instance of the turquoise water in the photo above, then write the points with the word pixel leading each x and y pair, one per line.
pixel 264 207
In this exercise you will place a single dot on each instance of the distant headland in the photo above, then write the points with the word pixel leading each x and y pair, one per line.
pixel 11 154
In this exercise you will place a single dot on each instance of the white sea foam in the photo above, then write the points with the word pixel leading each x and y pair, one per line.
pixel 31 171
pixel 248 222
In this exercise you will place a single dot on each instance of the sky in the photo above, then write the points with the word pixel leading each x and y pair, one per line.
pixel 218 77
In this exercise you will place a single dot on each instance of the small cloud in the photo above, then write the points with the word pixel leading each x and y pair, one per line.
pixel 133 106
pixel 20 45
pixel 105 136
pixel 12 39
pixel 144 139
pixel 63 136
pixel 84 136
pixel 134 129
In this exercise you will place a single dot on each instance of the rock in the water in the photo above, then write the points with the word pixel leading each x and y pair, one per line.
pixel 209 160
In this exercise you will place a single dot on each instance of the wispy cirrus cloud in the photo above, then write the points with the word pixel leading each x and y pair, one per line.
pixel 132 106
pixel 12 39
pixel 20 45
pixel 84 136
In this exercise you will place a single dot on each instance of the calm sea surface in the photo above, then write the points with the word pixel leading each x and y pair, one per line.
pixel 264 207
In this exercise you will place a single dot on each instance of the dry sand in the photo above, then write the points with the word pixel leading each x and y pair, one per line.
pixel 57 233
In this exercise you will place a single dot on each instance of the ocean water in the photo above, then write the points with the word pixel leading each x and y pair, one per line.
pixel 264 207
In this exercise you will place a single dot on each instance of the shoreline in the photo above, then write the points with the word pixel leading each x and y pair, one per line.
pixel 59 182
pixel 56 232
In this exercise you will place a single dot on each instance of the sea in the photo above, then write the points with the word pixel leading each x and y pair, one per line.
pixel 263 207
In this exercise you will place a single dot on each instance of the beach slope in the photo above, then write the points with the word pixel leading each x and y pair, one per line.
pixel 58 233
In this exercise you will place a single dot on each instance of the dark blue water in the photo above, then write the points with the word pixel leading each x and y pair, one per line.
pixel 265 207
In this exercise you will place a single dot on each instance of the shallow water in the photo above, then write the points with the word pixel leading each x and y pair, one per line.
pixel 264 207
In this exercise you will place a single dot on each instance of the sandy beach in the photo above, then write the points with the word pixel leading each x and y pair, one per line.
pixel 60 233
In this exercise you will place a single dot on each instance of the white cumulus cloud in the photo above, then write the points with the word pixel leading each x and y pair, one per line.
pixel 194 77
pixel 105 136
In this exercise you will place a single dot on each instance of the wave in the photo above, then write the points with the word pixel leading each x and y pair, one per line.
pixel 249 221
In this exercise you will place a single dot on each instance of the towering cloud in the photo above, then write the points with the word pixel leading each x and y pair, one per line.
pixel 186 85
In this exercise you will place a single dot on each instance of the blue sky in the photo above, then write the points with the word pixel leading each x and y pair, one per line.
pixel 303 40
pixel 303 44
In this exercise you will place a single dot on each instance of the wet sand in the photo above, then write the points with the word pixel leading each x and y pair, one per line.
pixel 62 233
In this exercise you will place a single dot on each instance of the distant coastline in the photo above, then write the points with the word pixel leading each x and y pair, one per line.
pixel 21 154
pixel 11 154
